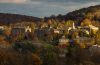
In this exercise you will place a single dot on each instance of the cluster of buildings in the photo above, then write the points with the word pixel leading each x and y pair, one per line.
pixel 10 33
pixel 23 27
pixel 17 27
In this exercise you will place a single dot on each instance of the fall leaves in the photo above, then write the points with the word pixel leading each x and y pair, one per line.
pixel 8 57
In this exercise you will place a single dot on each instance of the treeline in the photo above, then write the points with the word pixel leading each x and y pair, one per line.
pixel 6 18
pixel 92 12
pixel 11 57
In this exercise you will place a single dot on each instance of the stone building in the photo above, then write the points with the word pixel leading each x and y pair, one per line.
pixel 22 27
pixel 63 41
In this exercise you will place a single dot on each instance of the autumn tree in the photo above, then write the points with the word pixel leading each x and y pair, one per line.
pixel 1 38
pixel 48 55
pixel 25 46
pixel 89 16
pixel 69 23
pixel 32 59
pixel 97 37
pixel 20 36
pixel 33 26
pixel 86 22
pixel 7 31
pixel 15 58
pixel 74 35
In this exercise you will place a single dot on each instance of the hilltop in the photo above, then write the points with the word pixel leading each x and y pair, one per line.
pixel 6 18
pixel 92 12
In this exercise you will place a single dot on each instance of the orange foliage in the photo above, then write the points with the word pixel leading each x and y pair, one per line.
pixel 1 38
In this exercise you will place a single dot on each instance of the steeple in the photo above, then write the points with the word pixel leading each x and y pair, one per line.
pixel 73 25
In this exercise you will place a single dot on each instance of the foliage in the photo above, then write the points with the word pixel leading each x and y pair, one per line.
pixel 48 55
pixel 86 22
pixel 97 38
pixel 69 23
pixel 89 16
pixel 25 46
pixel 15 58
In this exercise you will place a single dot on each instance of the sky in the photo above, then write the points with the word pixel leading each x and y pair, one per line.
pixel 42 8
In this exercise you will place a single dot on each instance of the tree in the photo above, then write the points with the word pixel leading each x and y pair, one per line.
pixel 97 38
pixel 7 31
pixel 86 22
pixel 25 46
pixel 20 37
pixel 69 23
pixel 1 38
pixel 33 25
pixel 14 58
pixel 89 16
pixel 32 59
pixel 48 55
pixel 74 35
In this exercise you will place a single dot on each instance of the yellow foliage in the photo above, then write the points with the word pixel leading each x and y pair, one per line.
pixel 89 15
pixel 74 35
pixel 69 23
pixel 86 22
pixel 82 45
pixel 76 41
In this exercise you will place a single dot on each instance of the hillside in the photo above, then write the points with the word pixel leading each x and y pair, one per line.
pixel 82 13
pixel 92 12
pixel 6 18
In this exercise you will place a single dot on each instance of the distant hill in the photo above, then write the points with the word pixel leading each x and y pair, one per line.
pixel 6 18
pixel 79 15
pixel 92 12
